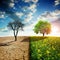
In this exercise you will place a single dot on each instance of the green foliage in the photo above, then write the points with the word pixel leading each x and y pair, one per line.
pixel 44 48
pixel 42 27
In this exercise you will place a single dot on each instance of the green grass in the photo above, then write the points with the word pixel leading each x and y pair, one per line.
pixel 44 48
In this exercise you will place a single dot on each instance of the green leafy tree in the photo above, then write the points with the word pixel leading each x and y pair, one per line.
pixel 43 27
pixel 15 26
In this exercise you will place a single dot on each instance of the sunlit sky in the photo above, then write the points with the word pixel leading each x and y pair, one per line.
pixel 29 12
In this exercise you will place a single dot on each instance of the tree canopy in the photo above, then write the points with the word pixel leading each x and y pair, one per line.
pixel 15 26
pixel 43 27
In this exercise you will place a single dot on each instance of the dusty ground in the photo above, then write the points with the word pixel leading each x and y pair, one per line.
pixel 14 50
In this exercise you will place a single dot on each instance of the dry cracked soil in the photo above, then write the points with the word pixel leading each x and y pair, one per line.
pixel 14 50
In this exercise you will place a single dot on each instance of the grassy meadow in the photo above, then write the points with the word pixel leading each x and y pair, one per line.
pixel 44 48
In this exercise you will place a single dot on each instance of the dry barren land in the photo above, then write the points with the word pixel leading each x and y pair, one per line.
pixel 14 50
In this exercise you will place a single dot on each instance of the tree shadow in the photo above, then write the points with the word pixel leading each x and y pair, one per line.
pixel 10 41
pixel 25 39
pixel 6 44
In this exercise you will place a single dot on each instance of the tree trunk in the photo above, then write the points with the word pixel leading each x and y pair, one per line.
pixel 15 34
pixel 43 34
pixel 15 38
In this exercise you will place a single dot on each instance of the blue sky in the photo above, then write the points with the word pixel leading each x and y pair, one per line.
pixel 28 12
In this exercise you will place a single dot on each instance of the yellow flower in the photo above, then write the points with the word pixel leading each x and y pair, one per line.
pixel 43 45
pixel 39 50
pixel 47 51
pixel 53 48
pixel 40 55
pixel 59 54
pixel 33 45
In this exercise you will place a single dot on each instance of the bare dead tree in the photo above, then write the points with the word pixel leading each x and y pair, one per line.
pixel 15 26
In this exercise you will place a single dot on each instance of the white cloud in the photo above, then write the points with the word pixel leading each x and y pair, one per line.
pixel 2 14
pixel 56 12
pixel 50 16
pixel 20 14
pixel 5 32
pixel 26 0
pixel 35 1
pixel 12 0
pixel 4 29
pixel 25 8
pixel 29 17
pixel 57 2
pixel 11 4
pixel 33 6
pixel 32 9
pixel 30 14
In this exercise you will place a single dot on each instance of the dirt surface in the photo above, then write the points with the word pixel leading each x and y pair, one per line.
pixel 14 50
